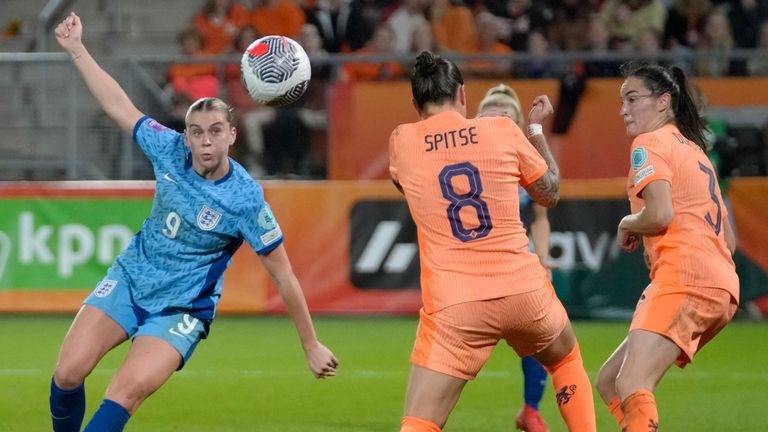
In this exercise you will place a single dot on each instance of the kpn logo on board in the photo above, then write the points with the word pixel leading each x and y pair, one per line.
pixel 29 246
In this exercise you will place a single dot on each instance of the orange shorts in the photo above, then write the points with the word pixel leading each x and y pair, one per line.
pixel 688 316
pixel 459 339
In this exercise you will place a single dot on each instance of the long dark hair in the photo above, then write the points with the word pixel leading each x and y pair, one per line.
pixel 434 80
pixel 672 80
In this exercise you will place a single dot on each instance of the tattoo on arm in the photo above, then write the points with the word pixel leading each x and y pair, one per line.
pixel 545 190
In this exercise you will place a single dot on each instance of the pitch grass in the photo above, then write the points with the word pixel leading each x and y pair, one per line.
pixel 251 376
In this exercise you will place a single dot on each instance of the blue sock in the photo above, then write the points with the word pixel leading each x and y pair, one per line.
pixel 110 417
pixel 67 408
pixel 534 379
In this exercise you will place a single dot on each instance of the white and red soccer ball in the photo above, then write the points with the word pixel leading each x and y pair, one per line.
pixel 275 70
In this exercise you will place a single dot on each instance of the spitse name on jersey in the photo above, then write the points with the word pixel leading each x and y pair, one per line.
pixel 451 139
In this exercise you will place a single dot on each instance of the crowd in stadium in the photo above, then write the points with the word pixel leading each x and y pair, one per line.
pixel 702 29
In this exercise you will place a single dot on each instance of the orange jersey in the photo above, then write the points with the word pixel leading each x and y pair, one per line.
pixel 691 251
pixel 460 177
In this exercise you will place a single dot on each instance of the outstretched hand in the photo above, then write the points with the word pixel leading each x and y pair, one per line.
pixel 69 33
pixel 541 109
pixel 321 360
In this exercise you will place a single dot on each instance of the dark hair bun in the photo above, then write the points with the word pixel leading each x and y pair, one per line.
pixel 426 64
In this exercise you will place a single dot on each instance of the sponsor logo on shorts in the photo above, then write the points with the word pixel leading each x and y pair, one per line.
pixel 105 288
pixel 208 218
pixel 185 327
pixel 639 156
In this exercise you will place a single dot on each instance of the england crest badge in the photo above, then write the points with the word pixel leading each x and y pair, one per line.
pixel 208 218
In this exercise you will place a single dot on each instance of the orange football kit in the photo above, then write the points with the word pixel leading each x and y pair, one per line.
pixel 694 288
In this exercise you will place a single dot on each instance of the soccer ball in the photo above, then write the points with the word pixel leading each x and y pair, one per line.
pixel 275 70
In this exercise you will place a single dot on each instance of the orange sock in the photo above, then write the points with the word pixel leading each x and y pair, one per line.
pixel 413 424
pixel 640 414
pixel 614 406
pixel 574 392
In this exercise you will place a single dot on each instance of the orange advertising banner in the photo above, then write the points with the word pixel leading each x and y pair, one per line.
pixel 348 243
pixel 595 146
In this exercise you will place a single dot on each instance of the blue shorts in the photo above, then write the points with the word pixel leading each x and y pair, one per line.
pixel 113 296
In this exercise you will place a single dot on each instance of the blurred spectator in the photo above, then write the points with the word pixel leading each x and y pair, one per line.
pixel 599 43
pixel 341 23
pixel 217 22
pixel 539 66
pixel 176 118
pixel 570 24
pixel 490 44
pixel 713 57
pixel 248 113
pixel 404 20
pixel 309 39
pixel 626 19
pixel 381 43
pixel 453 26
pixel 758 64
pixel 521 17
pixel 649 44
pixel 685 22
pixel 12 27
pixel 275 140
pixel 747 16
pixel 423 39
pixel 196 79
pixel 277 17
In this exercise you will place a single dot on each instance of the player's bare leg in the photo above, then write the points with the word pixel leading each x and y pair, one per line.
pixel 431 396
pixel 91 336
pixel 649 355
pixel 606 382
pixel 149 364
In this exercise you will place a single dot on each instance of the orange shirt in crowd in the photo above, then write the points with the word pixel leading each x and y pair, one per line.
pixel 460 177
pixel 218 35
pixel 456 31
pixel 371 71
pixel 692 250
pixel 488 66
pixel 285 18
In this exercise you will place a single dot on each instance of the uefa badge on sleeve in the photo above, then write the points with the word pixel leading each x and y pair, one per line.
pixel 208 218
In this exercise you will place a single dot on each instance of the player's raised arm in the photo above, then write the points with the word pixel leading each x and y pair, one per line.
pixel 320 359
pixel 104 88
pixel 545 190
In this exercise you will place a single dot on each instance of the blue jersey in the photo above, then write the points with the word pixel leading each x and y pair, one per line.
pixel 525 201
pixel 177 259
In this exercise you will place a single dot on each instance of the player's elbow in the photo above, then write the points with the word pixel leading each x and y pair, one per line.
pixel 660 217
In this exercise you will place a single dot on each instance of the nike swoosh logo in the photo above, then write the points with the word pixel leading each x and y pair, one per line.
pixel 169 178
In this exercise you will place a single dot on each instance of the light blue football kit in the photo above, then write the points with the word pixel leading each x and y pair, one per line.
pixel 168 280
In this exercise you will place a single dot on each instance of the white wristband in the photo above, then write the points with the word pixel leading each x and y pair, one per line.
pixel 535 129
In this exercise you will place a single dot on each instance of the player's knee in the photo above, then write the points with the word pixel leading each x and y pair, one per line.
pixel 606 384
pixel 69 375
pixel 130 395
pixel 627 384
